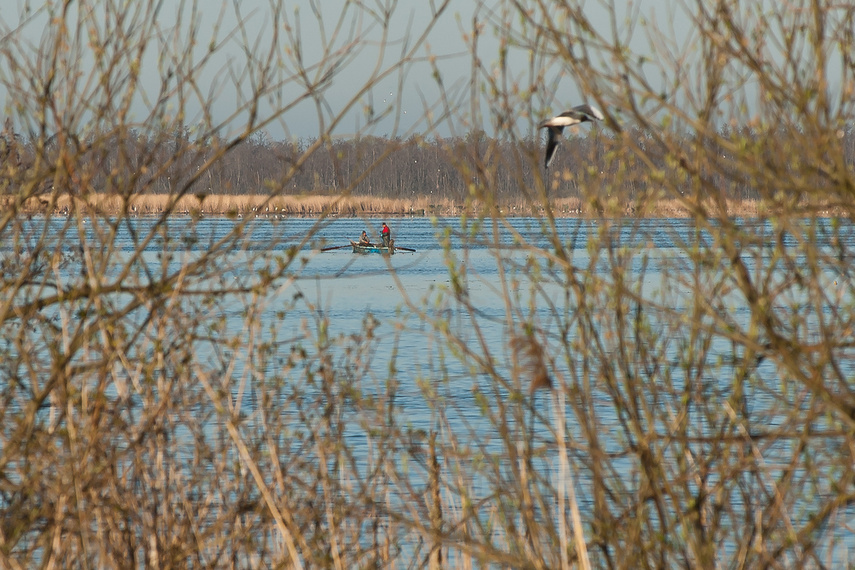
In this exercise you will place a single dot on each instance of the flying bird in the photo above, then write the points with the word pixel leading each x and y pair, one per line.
pixel 556 126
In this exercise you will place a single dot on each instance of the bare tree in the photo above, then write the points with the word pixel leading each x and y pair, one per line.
pixel 665 394
pixel 690 406
pixel 124 441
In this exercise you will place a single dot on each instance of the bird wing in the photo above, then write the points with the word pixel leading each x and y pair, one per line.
pixel 587 113
pixel 551 144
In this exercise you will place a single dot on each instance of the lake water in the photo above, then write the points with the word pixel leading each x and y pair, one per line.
pixel 410 295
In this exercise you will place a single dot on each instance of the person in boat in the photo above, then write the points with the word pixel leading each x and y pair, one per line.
pixel 386 235
pixel 363 239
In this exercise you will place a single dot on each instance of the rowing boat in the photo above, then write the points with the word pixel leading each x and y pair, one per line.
pixel 373 248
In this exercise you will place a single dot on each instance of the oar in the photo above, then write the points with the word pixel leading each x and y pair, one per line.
pixel 397 247
pixel 334 247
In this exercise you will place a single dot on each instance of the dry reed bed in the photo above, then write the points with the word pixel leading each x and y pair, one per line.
pixel 356 206
pixel 226 205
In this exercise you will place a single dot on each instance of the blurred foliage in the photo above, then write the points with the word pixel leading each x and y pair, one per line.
pixel 690 406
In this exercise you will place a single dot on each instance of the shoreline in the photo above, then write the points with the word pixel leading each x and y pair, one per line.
pixel 238 206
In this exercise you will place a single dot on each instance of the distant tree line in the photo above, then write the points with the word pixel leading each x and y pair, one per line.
pixel 382 167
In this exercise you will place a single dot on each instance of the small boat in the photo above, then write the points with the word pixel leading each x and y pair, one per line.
pixel 374 248
pixel 371 248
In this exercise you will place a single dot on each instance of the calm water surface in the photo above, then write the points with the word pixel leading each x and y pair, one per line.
pixel 345 287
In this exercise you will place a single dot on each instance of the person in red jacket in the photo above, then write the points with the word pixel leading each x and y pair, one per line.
pixel 386 235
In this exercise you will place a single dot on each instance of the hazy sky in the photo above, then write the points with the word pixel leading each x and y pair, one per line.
pixel 447 41
pixel 400 98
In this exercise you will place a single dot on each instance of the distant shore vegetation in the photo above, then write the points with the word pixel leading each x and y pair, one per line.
pixel 176 174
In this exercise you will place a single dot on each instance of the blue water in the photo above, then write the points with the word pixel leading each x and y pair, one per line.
pixel 471 281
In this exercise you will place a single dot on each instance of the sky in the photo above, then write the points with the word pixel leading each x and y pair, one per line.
pixel 405 97
pixel 397 100
pixel 325 27
pixel 367 94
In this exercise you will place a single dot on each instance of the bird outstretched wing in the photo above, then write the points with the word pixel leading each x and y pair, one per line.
pixel 551 144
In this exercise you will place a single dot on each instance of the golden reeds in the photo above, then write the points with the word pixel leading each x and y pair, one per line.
pixel 351 206
pixel 259 204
